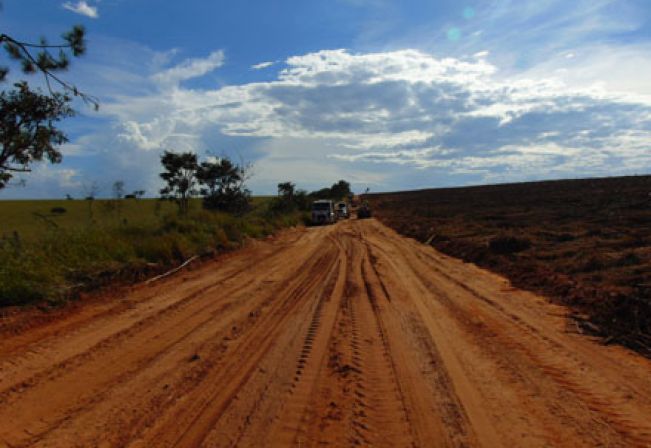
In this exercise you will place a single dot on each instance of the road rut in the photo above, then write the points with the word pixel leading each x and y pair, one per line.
pixel 345 335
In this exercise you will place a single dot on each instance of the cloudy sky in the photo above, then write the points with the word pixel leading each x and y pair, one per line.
pixel 389 95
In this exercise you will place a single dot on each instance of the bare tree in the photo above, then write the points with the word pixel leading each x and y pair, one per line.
pixel 90 193
pixel 118 189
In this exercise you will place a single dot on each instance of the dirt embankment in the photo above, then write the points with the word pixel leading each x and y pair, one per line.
pixel 346 335
pixel 583 243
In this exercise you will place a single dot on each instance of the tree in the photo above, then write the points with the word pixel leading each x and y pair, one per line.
pixel 38 58
pixel 118 194
pixel 223 185
pixel 290 199
pixel 90 192
pixel 181 177
pixel 118 189
pixel 340 190
pixel 324 193
pixel 286 191
pixel 285 200
pixel 302 200
pixel 27 129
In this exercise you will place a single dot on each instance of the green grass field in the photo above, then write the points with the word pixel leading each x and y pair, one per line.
pixel 31 218
pixel 45 253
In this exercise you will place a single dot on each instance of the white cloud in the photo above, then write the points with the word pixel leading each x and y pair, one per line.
pixel 82 8
pixel 393 119
pixel 401 108
pixel 190 68
pixel 45 181
pixel 263 65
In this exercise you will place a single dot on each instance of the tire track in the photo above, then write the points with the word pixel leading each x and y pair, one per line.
pixel 273 393
pixel 345 335
pixel 196 421
pixel 154 340
pixel 25 369
pixel 562 367
pixel 514 335
pixel 440 419
pixel 63 407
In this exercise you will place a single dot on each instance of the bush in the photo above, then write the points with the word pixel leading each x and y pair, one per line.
pixel 58 210
pixel 232 201
pixel 26 277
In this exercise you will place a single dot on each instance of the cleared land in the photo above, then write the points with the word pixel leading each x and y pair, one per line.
pixel 334 336
pixel 583 243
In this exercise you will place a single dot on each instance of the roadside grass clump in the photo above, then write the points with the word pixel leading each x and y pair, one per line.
pixel 26 275
pixel 58 261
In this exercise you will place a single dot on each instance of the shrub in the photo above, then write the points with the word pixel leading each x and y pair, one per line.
pixel 233 201
pixel 233 232
pixel 155 249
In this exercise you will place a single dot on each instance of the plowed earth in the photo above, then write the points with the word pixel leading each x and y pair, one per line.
pixel 335 336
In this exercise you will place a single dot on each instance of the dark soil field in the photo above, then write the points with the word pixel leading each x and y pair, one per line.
pixel 584 243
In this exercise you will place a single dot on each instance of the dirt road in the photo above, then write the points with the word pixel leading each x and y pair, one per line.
pixel 336 336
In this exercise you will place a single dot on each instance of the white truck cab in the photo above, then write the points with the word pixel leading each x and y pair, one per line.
pixel 341 208
pixel 323 212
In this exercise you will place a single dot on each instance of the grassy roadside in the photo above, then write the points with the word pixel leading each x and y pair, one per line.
pixel 48 256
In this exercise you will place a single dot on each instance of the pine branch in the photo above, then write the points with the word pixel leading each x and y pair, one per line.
pixel 46 64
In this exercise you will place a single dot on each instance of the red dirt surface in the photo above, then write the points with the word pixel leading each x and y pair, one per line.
pixel 583 243
pixel 344 335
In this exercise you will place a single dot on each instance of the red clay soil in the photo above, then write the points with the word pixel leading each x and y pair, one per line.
pixel 338 336
pixel 583 243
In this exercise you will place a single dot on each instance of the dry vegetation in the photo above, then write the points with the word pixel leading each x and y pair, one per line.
pixel 585 243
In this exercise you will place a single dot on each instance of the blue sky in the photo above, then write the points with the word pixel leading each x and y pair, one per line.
pixel 390 95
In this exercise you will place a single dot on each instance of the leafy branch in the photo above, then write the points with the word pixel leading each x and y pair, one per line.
pixel 39 57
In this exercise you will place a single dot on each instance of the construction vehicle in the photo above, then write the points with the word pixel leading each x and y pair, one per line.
pixel 323 212
pixel 364 211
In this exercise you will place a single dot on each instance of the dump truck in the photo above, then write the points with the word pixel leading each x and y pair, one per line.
pixel 323 212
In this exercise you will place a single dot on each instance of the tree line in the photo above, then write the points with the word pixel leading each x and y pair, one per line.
pixel 221 184
pixel 289 198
